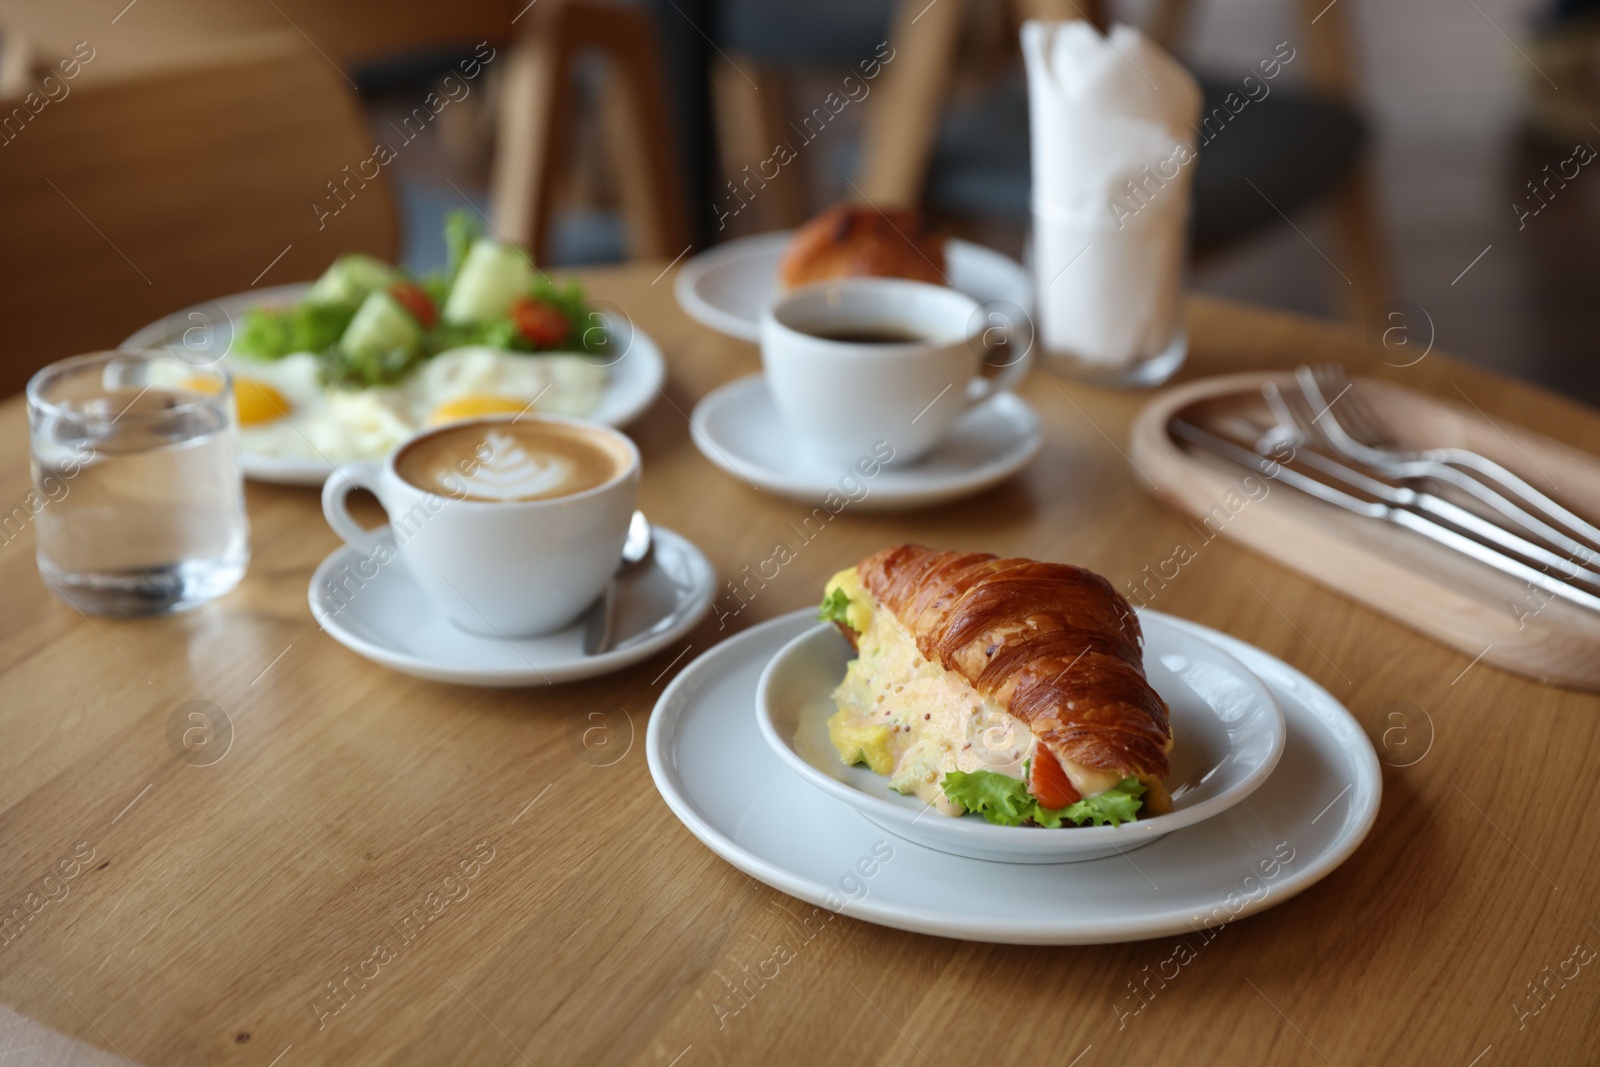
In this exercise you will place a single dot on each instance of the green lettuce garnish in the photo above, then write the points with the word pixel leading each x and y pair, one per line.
pixel 1001 799
pixel 1005 801
pixel 835 608
pixel 272 333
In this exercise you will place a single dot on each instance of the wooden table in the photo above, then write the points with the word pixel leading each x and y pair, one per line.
pixel 214 908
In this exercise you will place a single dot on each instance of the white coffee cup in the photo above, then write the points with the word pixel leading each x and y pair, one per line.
pixel 840 398
pixel 501 568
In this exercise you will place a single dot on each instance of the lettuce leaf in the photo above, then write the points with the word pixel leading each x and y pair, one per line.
pixel 835 608
pixel 272 333
pixel 1117 805
pixel 1005 801
pixel 999 798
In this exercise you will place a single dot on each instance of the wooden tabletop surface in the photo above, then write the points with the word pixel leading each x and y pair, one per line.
pixel 172 913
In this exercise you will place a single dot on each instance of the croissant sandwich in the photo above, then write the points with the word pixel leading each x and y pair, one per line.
pixel 1006 687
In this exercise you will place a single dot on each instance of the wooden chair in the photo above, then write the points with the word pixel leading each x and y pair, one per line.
pixel 534 125
pixel 141 194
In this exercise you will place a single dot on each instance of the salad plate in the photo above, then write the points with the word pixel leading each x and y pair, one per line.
pixel 1229 735
pixel 727 287
pixel 731 791
pixel 201 334
pixel 345 368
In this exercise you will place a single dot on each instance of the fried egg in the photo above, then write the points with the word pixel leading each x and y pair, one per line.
pixel 467 382
pixel 284 411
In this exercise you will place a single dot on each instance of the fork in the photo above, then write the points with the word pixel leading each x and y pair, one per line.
pixel 1357 432
pixel 1339 496
pixel 1292 415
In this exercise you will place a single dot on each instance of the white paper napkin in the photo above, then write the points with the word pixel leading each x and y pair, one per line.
pixel 1112 121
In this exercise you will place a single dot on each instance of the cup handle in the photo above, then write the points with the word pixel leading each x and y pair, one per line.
pixel 1008 377
pixel 335 492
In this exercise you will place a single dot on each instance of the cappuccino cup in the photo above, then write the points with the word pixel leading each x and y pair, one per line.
pixel 511 526
pixel 859 361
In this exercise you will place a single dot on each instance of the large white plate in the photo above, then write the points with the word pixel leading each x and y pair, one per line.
pixel 204 332
pixel 727 287
pixel 1229 735
pixel 719 777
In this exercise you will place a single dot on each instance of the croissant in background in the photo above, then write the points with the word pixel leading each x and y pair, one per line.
pixel 978 676
pixel 853 242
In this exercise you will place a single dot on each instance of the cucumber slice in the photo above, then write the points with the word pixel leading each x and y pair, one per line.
pixel 382 325
pixel 351 278
pixel 491 278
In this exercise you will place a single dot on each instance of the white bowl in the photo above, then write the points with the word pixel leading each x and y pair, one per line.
pixel 1228 733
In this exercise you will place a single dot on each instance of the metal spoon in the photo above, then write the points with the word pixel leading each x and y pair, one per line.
pixel 600 620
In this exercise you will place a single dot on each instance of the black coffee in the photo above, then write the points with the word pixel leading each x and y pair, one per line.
pixel 883 334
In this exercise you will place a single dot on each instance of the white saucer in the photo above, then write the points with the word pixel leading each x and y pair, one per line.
pixel 718 776
pixel 204 333
pixel 727 287
pixel 387 619
pixel 1229 731
pixel 738 428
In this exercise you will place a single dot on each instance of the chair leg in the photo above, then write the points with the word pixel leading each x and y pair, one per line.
pixel 901 124
pixel 750 105
pixel 639 148
pixel 534 103
pixel 1064 11
pixel 1358 221
pixel 536 108
pixel 1169 22
pixel 1357 205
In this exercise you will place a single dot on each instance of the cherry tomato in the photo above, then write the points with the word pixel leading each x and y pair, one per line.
pixel 540 324
pixel 414 300
pixel 1048 783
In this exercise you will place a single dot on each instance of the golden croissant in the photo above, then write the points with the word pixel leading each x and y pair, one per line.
pixel 1008 687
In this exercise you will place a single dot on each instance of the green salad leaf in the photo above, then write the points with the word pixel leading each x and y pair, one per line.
pixel 1117 805
pixel 1005 801
pixel 365 368
pixel 835 608
pixel 498 333
pixel 272 333
pixel 1001 799
pixel 353 353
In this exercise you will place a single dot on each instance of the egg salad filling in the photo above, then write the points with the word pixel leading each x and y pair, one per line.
pixel 937 738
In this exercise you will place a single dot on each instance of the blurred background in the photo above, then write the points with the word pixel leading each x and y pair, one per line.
pixel 1420 167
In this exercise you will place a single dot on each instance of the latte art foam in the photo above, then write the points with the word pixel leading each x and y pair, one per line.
pixel 509 472
pixel 504 462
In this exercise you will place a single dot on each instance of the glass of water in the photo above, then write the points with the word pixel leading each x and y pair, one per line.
pixel 139 506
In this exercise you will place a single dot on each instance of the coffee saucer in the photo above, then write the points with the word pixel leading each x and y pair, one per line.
pixel 377 611
pixel 738 428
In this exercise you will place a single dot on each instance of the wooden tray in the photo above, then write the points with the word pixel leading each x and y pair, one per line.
pixel 1458 601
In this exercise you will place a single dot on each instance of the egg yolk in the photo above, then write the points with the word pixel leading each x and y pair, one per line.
pixel 258 402
pixel 476 405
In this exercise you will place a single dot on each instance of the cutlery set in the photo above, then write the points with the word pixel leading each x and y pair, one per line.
pixel 1322 438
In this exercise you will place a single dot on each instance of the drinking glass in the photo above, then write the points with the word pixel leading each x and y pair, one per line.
pixel 138 502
